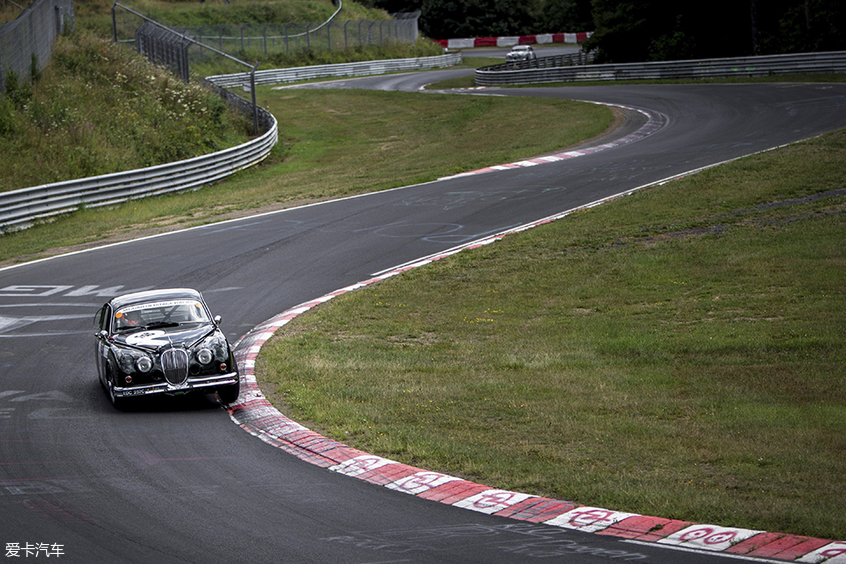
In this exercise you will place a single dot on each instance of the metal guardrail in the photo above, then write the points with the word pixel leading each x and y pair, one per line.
pixel 828 62
pixel 364 68
pixel 566 60
pixel 19 208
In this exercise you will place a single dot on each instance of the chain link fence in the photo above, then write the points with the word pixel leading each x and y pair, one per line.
pixel 288 38
pixel 171 49
pixel 195 52
pixel 164 47
pixel 27 42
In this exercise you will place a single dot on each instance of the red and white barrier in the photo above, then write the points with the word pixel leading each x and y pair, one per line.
pixel 508 41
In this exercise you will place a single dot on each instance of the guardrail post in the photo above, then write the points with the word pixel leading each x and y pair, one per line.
pixel 255 105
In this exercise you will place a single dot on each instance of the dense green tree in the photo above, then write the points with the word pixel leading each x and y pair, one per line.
pixel 651 30
pixel 476 18
pixel 644 30
pixel 791 26
pixel 445 19
pixel 558 16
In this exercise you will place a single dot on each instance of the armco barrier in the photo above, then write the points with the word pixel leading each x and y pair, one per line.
pixel 540 72
pixel 364 68
pixel 19 208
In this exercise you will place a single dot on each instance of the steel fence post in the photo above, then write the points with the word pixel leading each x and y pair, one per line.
pixel 255 105
pixel 287 47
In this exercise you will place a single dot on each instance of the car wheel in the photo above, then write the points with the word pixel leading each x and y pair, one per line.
pixel 229 394
pixel 117 402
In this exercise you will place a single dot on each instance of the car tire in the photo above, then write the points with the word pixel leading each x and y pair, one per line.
pixel 118 403
pixel 229 394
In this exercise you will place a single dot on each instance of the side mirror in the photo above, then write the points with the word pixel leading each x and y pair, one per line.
pixel 217 319
pixel 102 334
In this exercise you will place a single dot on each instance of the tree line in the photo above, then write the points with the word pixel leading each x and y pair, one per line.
pixel 644 30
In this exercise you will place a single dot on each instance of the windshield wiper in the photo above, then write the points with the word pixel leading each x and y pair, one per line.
pixel 163 324
pixel 131 329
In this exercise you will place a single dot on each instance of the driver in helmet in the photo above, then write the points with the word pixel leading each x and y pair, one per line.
pixel 127 319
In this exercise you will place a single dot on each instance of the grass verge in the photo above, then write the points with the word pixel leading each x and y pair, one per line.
pixel 678 353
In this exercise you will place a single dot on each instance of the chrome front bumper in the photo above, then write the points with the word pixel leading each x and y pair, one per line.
pixel 166 388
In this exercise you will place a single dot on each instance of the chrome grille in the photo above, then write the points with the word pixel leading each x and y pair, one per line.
pixel 175 366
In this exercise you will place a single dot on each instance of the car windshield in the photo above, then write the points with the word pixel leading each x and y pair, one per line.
pixel 160 314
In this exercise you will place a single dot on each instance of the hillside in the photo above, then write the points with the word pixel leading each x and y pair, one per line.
pixel 95 15
pixel 100 108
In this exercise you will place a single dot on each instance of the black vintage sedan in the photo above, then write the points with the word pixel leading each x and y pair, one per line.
pixel 163 342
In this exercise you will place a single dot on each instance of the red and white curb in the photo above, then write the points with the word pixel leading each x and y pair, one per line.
pixel 254 413
pixel 654 123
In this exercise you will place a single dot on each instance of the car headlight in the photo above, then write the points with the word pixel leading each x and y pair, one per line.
pixel 205 356
pixel 131 361
pixel 216 345
pixel 144 364
pixel 126 361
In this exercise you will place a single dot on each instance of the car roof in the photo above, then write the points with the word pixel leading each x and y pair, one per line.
pixel 521 47
pixel 156 295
